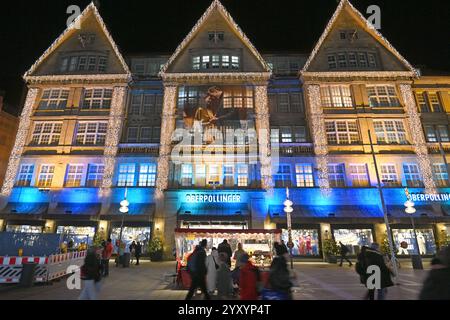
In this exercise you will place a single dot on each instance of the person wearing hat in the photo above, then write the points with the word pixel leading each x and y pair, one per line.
pixel 249 278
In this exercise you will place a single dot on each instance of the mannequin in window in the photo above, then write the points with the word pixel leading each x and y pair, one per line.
pixel 422 243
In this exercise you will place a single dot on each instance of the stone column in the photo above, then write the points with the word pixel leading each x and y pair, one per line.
pixel 21 137
pixel 115 123
pixel 263 130
pixel 418 138
pixel 319 136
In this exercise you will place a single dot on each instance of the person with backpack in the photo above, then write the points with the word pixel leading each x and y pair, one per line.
pixel 344 251
pixel 197 269
pixel 250 278
pixel 212 265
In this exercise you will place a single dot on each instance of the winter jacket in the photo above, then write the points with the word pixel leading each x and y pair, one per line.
pixel 248 282
pixel 200 262
pixel 373 257
pixel 436 285
pixel 107 252
pixel 279 277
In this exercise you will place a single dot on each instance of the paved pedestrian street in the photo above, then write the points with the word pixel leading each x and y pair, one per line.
pixel 316 281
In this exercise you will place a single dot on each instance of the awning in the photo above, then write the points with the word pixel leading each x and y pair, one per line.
pixel 85 209
pixel 29 208
pixel 422 211
pixel 135 209
pixel 214 209
pixel 343 211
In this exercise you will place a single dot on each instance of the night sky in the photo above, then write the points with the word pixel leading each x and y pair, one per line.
pixel 418 29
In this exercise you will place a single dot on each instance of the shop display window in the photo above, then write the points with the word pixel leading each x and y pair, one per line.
pixel 130 234
pixel 306 241
pixel 354 239
pixel 405 243
pixel 23 228
pixel 79 235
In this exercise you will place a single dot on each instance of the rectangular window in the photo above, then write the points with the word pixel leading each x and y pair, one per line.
pixel 127 172
pixel 213 175
pixel 186 175
pixel 352 60
pixel 147 175
pixel 228 175
pixel 336 96
pixel 91 133
pixel 102 64
pixel 189 97
pixel 242 175
pixel 435 103
pixel 412 175
pixel 200 175
pixel 95 175
pixel 342 60
pixel 389 176
pixel 358 175
pixel 286 134
pixel 332 63
pixel 146 135
pixel 390 131
pixel 74 175
pixel 196 63
pixel 283 102
pixel 46 176
pixel 443 133
pixel 135 106
pixel 92 63
pixel 422 102
pixel 430 134
pixel 216 61
pixel 296 102
pixel 225 62
pixel 336 175
pixel 25 175
pixel 382 96
pixel 362 60
pixel 304 175
pixel 238 97
pixel 342 132
pixel 46 133
pixel 234 62
pixel 156 134
pixel 283 176
pixel 132 134
pixel 440 175
pixel 299 134
pixel 205 62
pixel 372 60
pixel 97 99
pixel 54 99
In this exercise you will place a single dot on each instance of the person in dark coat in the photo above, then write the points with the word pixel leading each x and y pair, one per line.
pixel 279 276
pixel 225 247
pixel 437 284
pixel 372 256
pixel 91 275
pixel 199 271
pixel 138 252
pixel 344 252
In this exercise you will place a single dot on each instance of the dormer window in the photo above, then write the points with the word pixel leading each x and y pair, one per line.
pixel 352 60
pixel 215 61
pixel 215 36
pixel 83 62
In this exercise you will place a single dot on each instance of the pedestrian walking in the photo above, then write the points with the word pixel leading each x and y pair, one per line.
pixel 106 255
pixel 138 252
pixel 224 280
pixel 212 266
pixel 90 274
pixel 280 280
pixel 197 270
pixel 237 257
pixel 437 284
pixel 132 251
pixel 249 279
pixel 344 252
pixel 373 257
pixel 225 247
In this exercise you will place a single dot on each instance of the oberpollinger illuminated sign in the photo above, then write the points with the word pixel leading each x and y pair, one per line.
pixel 425 197
pixel 213 198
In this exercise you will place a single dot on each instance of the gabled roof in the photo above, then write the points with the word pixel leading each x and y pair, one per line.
pixel 215 5
pixel 90 8
pixel 374 32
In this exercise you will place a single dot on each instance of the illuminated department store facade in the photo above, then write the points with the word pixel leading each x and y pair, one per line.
pixel 96 126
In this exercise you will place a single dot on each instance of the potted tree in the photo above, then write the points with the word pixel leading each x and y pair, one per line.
pixel 330 250
pixel 155 249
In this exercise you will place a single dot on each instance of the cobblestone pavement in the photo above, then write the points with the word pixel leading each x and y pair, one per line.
pixel 315 281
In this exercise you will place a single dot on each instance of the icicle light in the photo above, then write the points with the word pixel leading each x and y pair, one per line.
pixel 418 138
pixel 263 127
pixel 317 123
pixel 116 119
pixel 168 127
pixel 21 138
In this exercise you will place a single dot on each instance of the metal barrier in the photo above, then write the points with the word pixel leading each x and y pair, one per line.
pixel 47 269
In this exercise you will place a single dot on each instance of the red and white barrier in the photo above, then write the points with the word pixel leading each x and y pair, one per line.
pixel 47 269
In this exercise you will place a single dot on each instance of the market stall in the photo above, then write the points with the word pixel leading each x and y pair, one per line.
pixel 258 243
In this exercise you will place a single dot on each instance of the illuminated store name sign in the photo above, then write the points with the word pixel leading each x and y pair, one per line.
pixel 417 197
pixel 213 198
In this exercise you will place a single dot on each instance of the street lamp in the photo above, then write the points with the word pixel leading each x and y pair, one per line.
pixel 124 204
pixel 288 210
pixel 410 210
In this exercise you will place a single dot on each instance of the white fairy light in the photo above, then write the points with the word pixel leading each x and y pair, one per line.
pixel 115 123
pixel 207 78
pixel 263 127
pixel 317 124
pixel 21 137
pixel 418 138
pixel 168 127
